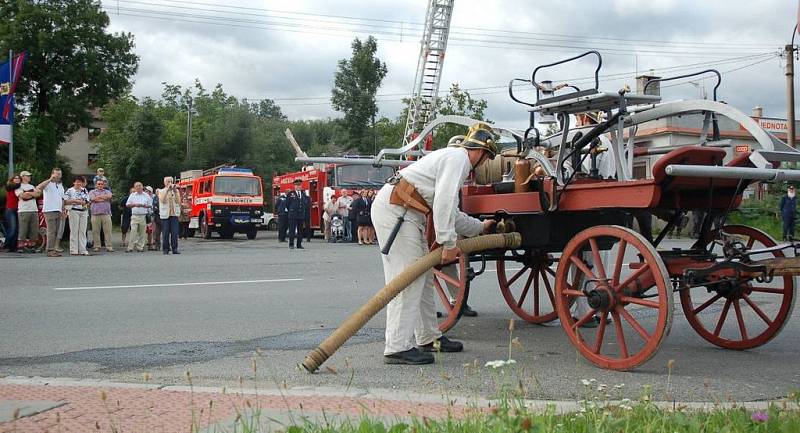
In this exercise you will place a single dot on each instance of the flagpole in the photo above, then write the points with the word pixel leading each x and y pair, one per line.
pixel 11 123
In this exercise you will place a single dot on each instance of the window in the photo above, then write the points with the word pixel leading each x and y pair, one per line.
pixel 91 159
pixel 94 132
pixel 353 176
pixel 237 185
pixel 640 170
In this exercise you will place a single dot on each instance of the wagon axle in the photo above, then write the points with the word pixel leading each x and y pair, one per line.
pixel 601 298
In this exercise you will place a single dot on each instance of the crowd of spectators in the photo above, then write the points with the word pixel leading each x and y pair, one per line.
pixel 354 208
pixel 36 215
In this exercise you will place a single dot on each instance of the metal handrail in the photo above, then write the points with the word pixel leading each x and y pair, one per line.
pixel 694 74
pixel 596 71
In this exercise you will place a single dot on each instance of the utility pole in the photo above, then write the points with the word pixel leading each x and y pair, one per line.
pixel 189 132
pixel 374 136
pixel 11 135
pixel 790 95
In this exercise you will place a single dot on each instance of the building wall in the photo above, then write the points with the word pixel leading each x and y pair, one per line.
pixel 80 150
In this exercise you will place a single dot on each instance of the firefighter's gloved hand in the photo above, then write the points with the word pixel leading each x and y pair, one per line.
pixel 487 226
pixel 450 255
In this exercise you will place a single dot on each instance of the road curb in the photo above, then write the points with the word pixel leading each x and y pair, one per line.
pixel 560 406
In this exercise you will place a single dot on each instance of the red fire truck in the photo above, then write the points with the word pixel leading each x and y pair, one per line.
pixel 323 181
pixel 225 199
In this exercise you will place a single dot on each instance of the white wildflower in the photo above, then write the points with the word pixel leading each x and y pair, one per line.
pixel 499 363
pixel 585 382
pixel 601 387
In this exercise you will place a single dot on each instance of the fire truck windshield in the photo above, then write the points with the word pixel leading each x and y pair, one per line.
pixel 349 176
pixel 237 185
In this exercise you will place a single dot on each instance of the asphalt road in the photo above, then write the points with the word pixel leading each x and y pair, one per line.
pixel 222 304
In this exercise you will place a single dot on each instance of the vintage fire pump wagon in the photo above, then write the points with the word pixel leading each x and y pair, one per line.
pixel 323 181
pixel 586 256
pixel 226 200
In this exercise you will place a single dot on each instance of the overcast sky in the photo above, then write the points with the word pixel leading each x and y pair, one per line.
pixel 287 51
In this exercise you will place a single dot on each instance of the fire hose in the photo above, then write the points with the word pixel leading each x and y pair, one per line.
pixel 357 320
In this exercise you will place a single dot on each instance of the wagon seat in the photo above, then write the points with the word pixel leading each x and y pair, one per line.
pixel 695 193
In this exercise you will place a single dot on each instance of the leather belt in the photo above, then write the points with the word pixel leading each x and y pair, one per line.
pixel 405 194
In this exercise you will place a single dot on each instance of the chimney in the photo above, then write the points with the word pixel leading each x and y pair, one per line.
pixel 758 112
pixel 653 89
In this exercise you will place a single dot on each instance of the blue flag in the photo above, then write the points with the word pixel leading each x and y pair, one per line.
pixel 10 72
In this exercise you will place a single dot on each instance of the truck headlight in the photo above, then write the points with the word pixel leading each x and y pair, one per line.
pixel 217 211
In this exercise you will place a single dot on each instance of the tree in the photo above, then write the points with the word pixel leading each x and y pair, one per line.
pixel 74 66
pixel 132 147
pixel 225 131
pixel 458 102
pixel 356 83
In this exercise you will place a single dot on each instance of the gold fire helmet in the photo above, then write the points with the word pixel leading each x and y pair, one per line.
pixel 479 136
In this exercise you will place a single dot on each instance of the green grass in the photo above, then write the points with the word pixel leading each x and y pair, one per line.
pixel 761 214
pixel 593 416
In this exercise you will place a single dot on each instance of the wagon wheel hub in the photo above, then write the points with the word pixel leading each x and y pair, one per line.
pixel 601 298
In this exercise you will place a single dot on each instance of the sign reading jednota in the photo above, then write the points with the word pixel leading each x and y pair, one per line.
pixel 771 125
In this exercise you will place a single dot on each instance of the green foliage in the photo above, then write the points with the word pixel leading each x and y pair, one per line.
pixel 458 102
pixel 356 83
pixel 761 214
pixel 73 66
pixel 146 140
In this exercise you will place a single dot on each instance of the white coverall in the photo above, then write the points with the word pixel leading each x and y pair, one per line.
pixel 411 316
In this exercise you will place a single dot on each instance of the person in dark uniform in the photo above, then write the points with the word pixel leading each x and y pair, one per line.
pixel 297 207
pixel 283 217
pixel 788 208
pixel 353 217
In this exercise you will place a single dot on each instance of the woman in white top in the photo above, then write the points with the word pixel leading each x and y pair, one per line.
pixel 76 201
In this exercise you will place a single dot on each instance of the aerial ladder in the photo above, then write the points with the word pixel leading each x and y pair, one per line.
pixel 422 107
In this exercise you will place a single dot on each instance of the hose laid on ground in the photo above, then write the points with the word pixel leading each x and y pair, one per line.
pixel 357 320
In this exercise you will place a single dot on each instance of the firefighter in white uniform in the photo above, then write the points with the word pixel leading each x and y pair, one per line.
pixel 430 185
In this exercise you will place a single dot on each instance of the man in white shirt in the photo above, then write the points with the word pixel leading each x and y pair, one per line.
pixel 169 208
pixel 435 180
pixel 27 212
pixel 53 208
pixel 76 201
pixel 329 210
pixel 139 203
pixel 343 205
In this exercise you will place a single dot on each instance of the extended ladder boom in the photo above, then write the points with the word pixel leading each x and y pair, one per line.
pixel 429 67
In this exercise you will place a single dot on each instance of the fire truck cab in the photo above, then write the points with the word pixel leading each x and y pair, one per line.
pixel 225 199
pixel 323 181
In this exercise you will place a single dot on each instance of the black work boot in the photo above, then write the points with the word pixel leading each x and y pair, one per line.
pixel 411 356
pixel 445 345
pixel 468 312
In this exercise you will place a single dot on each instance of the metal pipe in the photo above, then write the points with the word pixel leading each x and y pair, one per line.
pixel 663 150
pixel 766 174
pixel 790 95
pixel 352 161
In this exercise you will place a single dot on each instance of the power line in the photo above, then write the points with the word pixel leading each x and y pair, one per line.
pixel 723 73
pixel 573 80
pixel 498 42
pixel 411 24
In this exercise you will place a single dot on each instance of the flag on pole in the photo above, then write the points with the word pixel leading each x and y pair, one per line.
pixel 10 72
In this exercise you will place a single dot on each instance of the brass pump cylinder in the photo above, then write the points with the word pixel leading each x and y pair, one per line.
pixel 357 320
pixel 522 171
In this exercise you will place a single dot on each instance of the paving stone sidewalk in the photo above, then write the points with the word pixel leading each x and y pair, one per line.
pixel 108 407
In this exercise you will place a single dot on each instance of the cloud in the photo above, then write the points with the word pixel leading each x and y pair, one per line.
pixel 252 59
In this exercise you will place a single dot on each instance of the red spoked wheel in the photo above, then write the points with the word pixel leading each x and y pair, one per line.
pixel 630 294
pixel 528 289
pixel 451 284
pixel 745 316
